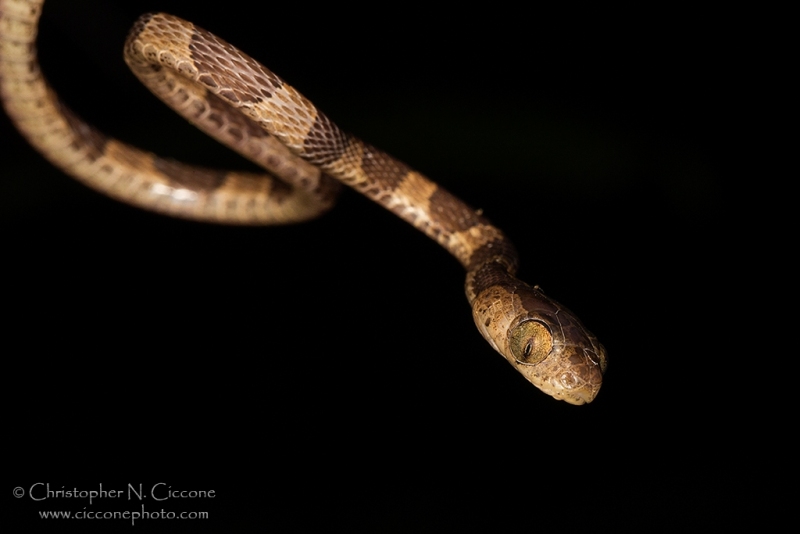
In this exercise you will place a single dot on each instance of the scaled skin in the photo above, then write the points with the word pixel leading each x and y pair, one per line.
pixel 239 102
pixel 542 340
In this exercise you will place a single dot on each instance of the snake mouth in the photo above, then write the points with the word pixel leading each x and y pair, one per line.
pixel 575 397
pixel 582 396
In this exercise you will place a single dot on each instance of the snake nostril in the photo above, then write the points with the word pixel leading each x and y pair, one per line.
pixel 569 380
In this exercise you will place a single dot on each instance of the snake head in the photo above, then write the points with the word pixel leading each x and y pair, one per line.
pixel 542 339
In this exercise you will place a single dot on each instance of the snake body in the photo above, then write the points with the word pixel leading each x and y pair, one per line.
pixel 245 106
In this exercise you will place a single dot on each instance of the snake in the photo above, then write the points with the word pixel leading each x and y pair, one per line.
pixel 242 104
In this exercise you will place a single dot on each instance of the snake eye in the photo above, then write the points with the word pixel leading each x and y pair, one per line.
pixel 530 342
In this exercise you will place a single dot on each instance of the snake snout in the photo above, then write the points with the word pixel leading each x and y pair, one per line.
pixel 580 383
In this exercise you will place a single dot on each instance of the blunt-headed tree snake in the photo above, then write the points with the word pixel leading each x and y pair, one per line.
pixel 240 103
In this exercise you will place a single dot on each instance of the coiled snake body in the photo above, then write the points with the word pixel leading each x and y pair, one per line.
pixel 245 106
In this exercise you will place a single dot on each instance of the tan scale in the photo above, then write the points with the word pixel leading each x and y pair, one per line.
pixel 242 104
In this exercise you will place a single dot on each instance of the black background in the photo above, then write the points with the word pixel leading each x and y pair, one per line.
pixel 327 376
